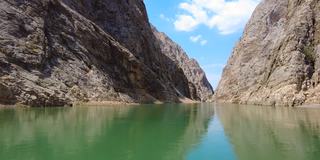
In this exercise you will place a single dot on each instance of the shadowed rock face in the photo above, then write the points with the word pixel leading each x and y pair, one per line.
pixel 199 86
pixel 277 61
pixel 59 52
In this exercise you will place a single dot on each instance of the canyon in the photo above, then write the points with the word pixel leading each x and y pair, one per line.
pixel 63 52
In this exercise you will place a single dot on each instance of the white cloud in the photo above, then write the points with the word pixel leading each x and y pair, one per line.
pixel 225 15
pixel 203 42
pixel 165 18
pixel 195 38
pixel 185 23
pixel 198 38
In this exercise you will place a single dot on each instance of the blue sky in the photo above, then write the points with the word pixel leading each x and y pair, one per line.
pixel 206 29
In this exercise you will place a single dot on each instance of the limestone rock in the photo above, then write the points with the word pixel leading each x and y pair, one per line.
pixel 58 52
pixel 277 60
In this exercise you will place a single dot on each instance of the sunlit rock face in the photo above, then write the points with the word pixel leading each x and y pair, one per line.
pixel 57 52
pixel 277 61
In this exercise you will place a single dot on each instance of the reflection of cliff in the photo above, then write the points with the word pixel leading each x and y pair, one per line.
pixel 263 133
pixel 53 130
pixel 200 116
pixel 147 132
pixel 158 132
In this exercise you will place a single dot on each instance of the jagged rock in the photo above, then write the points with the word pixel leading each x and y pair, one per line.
pixel 277 60
pixel 61 52
pixel 199 86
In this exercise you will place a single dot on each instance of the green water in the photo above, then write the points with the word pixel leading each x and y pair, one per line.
pixel 160 132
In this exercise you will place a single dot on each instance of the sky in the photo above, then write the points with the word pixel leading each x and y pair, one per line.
pixel 206 29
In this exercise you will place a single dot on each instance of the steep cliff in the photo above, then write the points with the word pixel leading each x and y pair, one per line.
pixel 199 86
pixel 277 61
pixel 57 52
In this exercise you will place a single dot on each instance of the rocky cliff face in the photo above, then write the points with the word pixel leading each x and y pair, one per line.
pixel 57 52
pixel 277 61
pixel 198 85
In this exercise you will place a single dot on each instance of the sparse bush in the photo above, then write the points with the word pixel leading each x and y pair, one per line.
pixel 309 53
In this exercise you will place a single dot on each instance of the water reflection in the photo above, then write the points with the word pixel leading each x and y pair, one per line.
pixel 214 145
pixel 266 133
pixel 144 132
pixel 161 132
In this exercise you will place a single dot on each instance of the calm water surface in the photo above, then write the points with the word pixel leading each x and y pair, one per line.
pixel 160 132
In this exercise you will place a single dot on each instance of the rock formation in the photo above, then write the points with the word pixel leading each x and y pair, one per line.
pixel 277 61
pixel 199 86
pixel 58 52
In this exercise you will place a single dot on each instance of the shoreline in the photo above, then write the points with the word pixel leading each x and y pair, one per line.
pixel 309 106
pixel 115 103
pixel 119 103
pixel 103 103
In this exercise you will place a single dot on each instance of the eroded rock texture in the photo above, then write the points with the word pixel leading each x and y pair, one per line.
pixel 198 85
pixel 277 61
pixel 57 52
